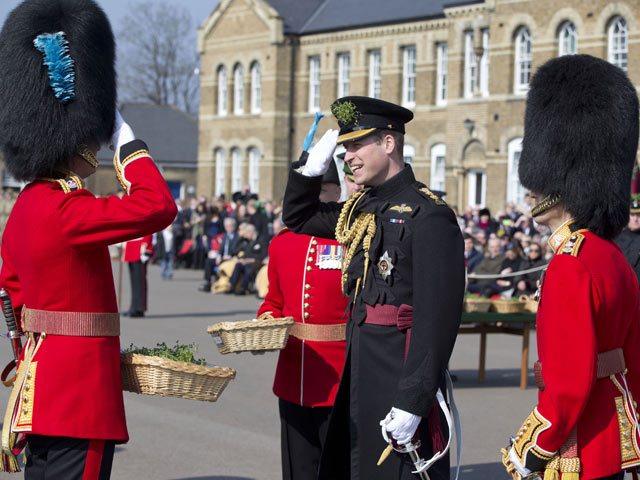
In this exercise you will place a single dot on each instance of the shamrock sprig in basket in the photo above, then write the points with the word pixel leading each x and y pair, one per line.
pixel 476 303
pixel 262 334
pixel 172 372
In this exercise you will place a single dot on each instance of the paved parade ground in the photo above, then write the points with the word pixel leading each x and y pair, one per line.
pixel 237 437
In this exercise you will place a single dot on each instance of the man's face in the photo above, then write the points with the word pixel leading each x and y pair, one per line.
pixel 494 247
pixel 351 186
pixel 634 221
pixel 229 226
pixel 468 244
pixel 329 192
pixel 369 161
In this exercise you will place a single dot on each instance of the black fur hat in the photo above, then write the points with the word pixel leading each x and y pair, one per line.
pixel 580 140
pixel 39 131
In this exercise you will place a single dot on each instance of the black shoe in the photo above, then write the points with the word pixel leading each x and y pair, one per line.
pixel 136 314
pixel 205 288
pixel 241 292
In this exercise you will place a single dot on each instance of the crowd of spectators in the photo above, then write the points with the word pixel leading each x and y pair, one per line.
pixel 503 244
pixel 230 238
pixel 221 237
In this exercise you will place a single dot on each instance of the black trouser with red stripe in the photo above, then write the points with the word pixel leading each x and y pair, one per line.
pixel 64 458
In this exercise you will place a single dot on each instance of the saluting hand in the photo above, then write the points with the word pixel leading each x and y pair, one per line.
pixel 321 154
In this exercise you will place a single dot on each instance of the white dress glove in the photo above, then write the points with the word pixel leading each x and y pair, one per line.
pixel 515 461
pixel 321 154
pixel 401 425
pixel 122 133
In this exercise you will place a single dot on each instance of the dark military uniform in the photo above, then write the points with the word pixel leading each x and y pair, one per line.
pixel 415 271
pixel 629 243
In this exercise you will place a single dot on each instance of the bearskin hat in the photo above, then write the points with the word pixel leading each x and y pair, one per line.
pixel 580 140
pixel 57 83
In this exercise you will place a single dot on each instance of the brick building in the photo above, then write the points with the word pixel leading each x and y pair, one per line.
pixel 463 68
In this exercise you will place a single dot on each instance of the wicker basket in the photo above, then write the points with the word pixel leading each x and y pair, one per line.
pixel 264 334
pixel 476 305
pixel 530 303
pixel 508 306
pixel 168 378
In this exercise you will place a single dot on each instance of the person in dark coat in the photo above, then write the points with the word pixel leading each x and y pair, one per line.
pixel 229 246
pixel 249 260
pixel 404 276
pixel 527 283
pixel 472 255
pixel 629 239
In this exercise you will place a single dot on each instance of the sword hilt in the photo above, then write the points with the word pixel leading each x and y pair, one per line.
pixel 9 314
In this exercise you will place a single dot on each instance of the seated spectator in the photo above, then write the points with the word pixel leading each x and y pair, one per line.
pixel 528 283
pixel 525 225
pixel 229 245
pixel 249 261
pixel 491 264
pixel 472 256
pixel 486 223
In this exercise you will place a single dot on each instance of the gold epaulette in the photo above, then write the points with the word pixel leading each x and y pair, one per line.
pixel 70 183
pixel 432 196
pixel 572 246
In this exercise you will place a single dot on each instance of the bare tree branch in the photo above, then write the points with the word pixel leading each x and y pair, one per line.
pixel 158 62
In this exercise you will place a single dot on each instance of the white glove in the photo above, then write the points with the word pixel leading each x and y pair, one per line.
pixel 515 461
pixel 122 133
pixel 321 154
pixel 401 425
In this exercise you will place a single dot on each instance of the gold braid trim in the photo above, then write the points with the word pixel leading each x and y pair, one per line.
pixel 350 235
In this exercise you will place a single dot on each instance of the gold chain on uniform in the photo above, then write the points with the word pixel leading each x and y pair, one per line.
pixel 351 235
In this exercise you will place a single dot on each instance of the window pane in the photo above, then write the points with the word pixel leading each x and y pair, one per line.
pixel 254 170
pixel 256 88
pixel 568 39
pixel 522 61
pixel 441 93
pixel 238 92
pixel 618 43
pixel 222 91
pixel 470 65
pixel 220 172
pixel 314 84
pixel 409 76
pixel 374 73
pixel 236 170
pixel 344 61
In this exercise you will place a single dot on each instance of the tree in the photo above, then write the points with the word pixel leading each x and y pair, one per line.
pixel 159 62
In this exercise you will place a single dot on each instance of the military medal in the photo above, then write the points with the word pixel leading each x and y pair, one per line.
pixel 329 257
pixel 385 265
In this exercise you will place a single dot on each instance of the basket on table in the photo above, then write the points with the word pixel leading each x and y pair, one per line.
pixel 168 378
pixel 263 334
pixel 472 305
pixel 530 303
pixel 503 305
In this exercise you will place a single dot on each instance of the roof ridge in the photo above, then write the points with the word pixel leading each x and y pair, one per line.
pixel 313 15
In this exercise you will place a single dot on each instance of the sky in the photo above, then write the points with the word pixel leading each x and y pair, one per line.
pixel 117 9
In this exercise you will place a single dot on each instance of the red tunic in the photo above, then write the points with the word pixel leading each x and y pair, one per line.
pixel 55 258
pixel 589 305
pixel 308 372
pixel 132 249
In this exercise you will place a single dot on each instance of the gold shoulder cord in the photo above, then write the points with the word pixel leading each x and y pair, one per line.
pixel 351 236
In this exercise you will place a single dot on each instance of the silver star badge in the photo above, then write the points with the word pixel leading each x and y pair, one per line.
pixel 385 265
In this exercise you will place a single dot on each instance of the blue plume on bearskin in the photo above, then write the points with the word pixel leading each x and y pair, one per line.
pixel 55 49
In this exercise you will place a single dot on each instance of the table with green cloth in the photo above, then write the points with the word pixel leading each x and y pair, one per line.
pixel 510 323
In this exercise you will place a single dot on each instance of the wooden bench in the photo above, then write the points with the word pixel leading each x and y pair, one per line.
pixel 514 324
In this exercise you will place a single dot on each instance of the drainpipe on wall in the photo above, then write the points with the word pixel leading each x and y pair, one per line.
pixel 293 41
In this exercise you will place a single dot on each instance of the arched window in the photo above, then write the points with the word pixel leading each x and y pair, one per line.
pixel 618 42
pixel 256 88
pixel 522 61
pixel 515 190
pixel 470 65
pixel 221 169
pixel 567 39
pixel 408 154
pixel 238 89
pixel 222 90
pixel 236 170
pixel 438 164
